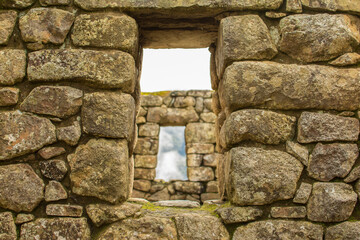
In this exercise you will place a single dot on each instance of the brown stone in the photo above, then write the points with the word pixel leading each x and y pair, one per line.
pixel 298 151
pixel 20 188
pixel 46 25
pixel 149 130
pixel 319 37
pixel 303 193
pixel 107 179
pixel 343 5
pixel 200 133
pixel 199 148
pixel 102 69
pixel 178 203
pixel 54 191
pixel 199 104
pixel 147 146
pixel 239 214
pixel 183 102
pixel 64 210
pixel 331 202
pixel 211 160
pixel 209 196
pixel 142 185
pixel 294 6
pixel 50 152
pixel 137 194
pixel 275 15
pixel 24 218
pixel 345 230
pixel 12 67
pixel 145 161
pixel 69 134
pixel 151 101
pixel 188 187
pixel 288 212
pixel 7 24
pixel 55 2
pixel 193 160
pixel 53 169
pixel 171 116
pixel 9 96
pixel 346 59
pixel 212 187
pixel 17 3
pixel 208 117
pixel 198 174
pixel 7 226
pixel 144 173
pixel 353 175
pixel 316 127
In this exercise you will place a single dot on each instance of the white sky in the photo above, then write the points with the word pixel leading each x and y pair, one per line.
pixel 175 69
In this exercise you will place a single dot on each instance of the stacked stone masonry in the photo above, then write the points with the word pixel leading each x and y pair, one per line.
pixel 284 114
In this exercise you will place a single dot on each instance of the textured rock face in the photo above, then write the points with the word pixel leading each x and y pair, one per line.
pixel 172 116
pixel 303 193
pixel 318 37
pixel 20 188
pixel 342 5
pixel 53 169
pixel 257 125
pixel 149 130
pixel 243 38
pixel 288 212
pixel 22 133
pixel 9 96
pixel 146 146
pixel 282 229
pixel 107 179
pixel 200 133
pixel 145 161
pixel 24 218
pixel 200 174
pixel 12 67
pixel 345 230
pixel 289 86
pixel 103 69
pixel 50 152
pixel 46 25
pixel 69 134
pixel 333 160
pixel 62 228
pixel 239 214
pixel 353 175
pixel 17 3
pixel 298 151
pixel 346 60
pixel 188 187
pixel 316 127
pixel 259 177
pixel 108 114
pixel 54 191
pixel 54 2
pixel 55 101
pixel 7 226
pixel 331 202
pixel 107 30
pixel 7 24
pixel 64 210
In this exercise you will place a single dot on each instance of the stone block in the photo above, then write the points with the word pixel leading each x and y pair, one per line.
pixel 12 67
pixel 151 101
pixel 149 130
pixel 7 226
pixel 209 196
pixel 7 24
pixel 294 6
pixel 199 148
pixel 50 152
pixel 303 193
pixel 19 4
pixel 288 212
pixel 333 6
pixel 346 59
pixel 53 169
pixel 69 134
pixel 145 161
pixel 178 203
pixel 160 195
pixel 208 117
pixel 198 174
pixel 144 173
pixel 64 210
pixel 146 146
pixel 188 187
pixel 200 133
pixel 353 175
pixel 345 230
pixel 9 96
pixel 142 185
pixel 239 214
pixel 101 69
pixel 212 187
pixel 24 218
pixel 193 160
pixel 171 116
pixel 298 151
pixel 54 191
pixel 211 160
pixel 55 2
pixel 183 102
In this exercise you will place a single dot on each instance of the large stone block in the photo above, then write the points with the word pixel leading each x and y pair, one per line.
pixel 146 146
pixel 243 38
pixel 100 168
pixel 289 86
pixel 319 37
pixel 257 125
pixel 22 133
pixel 198 174
pixel 200 133
pixel 103 69
pixel 188 187
pixel 7 226
pixel 145 161
pixel 106 30
pixel 17 3
pixel 21 189
pixel 172 116
pixel 149 130
pixel 324 127
pixel 108 114
pixel 333 6
pixel 234 214
pixel 345 230
pixel 145 173
pixel 7 24
pixel 12 67
pixel 259 177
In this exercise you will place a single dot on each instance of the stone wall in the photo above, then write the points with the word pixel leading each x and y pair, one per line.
pixel 286 80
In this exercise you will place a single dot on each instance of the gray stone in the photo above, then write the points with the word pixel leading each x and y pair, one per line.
pixel 200 174
pixel 54 191
pixel 69 134
pixel 50 152
pixel 346 59
pixel 324 127
pixel 259 177
pixel 171 116
pixel 55 2
pixel 345 231
pixel 331 202
pixel 200 133
pixel 64 210
pixel 53 169
pixel 288 212
pixel 146 146
pixel 102 69
pixel 343 5
pixel 353 175
pixel 7 226
pixel 12 67
pixel 188 187
pixel 239 214
pixel 298 151
pixel 9 96
pixel 7 24
pixel 17 3
pixel 108 179
pixel 20 188
pixel 149 130
pixel 24 218
pixel 303 193
pixel 178 203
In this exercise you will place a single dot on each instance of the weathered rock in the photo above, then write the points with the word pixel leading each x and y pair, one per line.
pixel 141 228
pixel 288 212
pixel 46 25
pixel 199 148
pixel 53 169
pixel 145 161
pixel 303 193
pixel 200 133
pixel 107 179
pixel 199 104
pixel 55 2
pixel 243 38
pixel 198 174
pixel 20 188
pixel 275 15
pixel 9 96
pixel 171 116
pixel 144 173
pixel 69 134
pixel 50 152
pixel 64 210
pixel 24 218
pixel 331 202
pixel 346 60
pixel 151 101
pixel 17 3
pixel 332 160
pixel 12 67
pixel 343 5
pixel 319 37
pixel 178 203
pixel 353 175
pixel 289 86
pixel 298 151
pixel 108 114
pixel 137 194
pixel 198 226
pixel 208 117
pixel 102 69
pixel 345 230
pixel 279 229
pixel 61 102
pixel 294 6
pixel 212 187
pixel 146 146
pixel 316 127
pixel 22 133
pixel 193 160
pixel 209 196
pixel 54 191
pixel 64 228
pixel 160 195
pixel 257 125
pixel 7 24
pixel 182 102
pixel 188 187
pixel 239 214
pixel 102 214
pixel 258 177
pixel 142 185
pixel 7 226
pixel 149 130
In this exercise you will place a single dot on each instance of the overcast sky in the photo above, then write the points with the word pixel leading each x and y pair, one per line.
pixel 175 69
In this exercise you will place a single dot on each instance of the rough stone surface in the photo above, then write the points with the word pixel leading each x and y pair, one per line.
pixel 53 169
pixel 20 188
pixel 199 148
pixel 108 114
pixel 103 69
pixel 17 3
pixel 209 196
pixel 243 38
pixel 7 226
pixel 54 2
pixel 289 86
pixel 54 191
pixel 102 214
pixel 146 146
pixel 178 203
pixel 332 160
pixel 160 195
pixel 193 160
pixel 107 179
pixel 151 101
pixel 69 134
pixel 24 218
pixel 353 175
pixel 46 25
pixel 212 187
pixel 55 101
pixel 211 160
pixel 346 60
pixel 64 210
pixel 298 151
pixel 319 37
pixel 331 202
pixel 345 230
pixel 200 174
pixel 208 117
pixel 62 228
pixel 171 116
pixel 22 133
pixel 106 30
pixel 303 193
pixel 144 173
pixel 316 127
pixel 145 161
pixel 7 24
pixel 343 5
pixel 142 185
pixel 12 67
pixel 50 152
pixel 188 187
pixel 200 133
pixel 259 177
pixel 288 212
pixel 294 6
pixel 282 229
pixel 149 130
pixel 257 125
pixel 9 96
pixel 239 214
